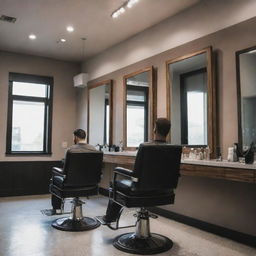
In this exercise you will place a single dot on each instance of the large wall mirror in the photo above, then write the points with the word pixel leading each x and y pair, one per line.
pixel 139 111
pixel 246 92
pixel 100 113
pixel 191 100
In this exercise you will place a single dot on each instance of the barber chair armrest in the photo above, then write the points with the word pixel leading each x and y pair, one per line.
pixel 124 172
pixel 58 171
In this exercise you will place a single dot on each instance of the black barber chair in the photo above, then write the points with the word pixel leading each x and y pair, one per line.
pixel 151 183
pixel 79 177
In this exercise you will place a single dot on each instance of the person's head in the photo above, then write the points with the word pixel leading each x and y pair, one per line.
pixel 162 128
pixel 79 134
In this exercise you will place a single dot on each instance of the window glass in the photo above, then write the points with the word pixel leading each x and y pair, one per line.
pixel 137 121
pixel 29 89
pixel 197 133
pixel 27 126
pixel 135 125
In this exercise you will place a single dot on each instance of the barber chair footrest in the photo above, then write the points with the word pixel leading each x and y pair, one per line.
pixel 154 244
pixel 68 224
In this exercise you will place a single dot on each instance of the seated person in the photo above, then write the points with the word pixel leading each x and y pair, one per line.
pixel 80 146
pixel 161 130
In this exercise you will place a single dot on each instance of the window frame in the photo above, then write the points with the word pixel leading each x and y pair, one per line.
pixel 152 103
pixel 48 103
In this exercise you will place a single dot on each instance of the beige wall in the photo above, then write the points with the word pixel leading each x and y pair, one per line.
pixel 64 98
pixel 225 43
pixel 200 20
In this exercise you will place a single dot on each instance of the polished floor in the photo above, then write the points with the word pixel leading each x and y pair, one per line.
pixel 24 231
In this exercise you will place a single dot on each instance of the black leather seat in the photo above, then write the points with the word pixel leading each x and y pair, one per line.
pixel 151 183
pixel 79 177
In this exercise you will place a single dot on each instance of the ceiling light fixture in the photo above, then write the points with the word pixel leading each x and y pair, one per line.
pixel 32 36
pixel 63 40
pixel 130 3
pixel 70 29
pixel 118 12
pixel 121 9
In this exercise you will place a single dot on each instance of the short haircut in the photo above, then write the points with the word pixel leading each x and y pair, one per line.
pixel 163 126
pixel 80 133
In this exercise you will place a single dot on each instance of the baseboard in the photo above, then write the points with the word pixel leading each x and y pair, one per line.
pixel 215 229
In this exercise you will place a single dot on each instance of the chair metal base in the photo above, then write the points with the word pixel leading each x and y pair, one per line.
pixel 153 244
pixel 69 224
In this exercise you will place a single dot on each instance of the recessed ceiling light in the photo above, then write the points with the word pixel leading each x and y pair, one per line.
pixel 70 29
pixel 63 40
pixel 32 36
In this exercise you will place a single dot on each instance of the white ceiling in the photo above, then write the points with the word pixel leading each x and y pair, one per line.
pixel 91 19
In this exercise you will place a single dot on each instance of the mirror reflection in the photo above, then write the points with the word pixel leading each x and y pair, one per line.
pixel 99 132
pixel 188 85
pixel 137 108
pixel 247 96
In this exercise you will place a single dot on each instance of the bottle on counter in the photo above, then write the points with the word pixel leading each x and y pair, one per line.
pixel 219 157
pixel 183 156
pixel 235 156
pixel 191 153
pixel 105 148
pixel 121 146
pixel 231 154
pixel 195 154
pixel 201 154
pixel 207 153
pixel 239 151
pixel 249 154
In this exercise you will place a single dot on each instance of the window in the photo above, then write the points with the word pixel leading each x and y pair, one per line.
pixel 137 113
pixel 29 114
pixel 194 107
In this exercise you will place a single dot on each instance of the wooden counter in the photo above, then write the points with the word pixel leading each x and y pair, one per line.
pixel 210 169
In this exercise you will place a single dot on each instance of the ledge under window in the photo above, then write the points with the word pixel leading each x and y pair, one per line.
pixel 34 153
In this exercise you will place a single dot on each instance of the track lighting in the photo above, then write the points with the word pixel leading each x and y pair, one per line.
pixel 121 9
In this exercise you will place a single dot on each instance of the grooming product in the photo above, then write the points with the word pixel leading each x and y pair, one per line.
pixel 231 154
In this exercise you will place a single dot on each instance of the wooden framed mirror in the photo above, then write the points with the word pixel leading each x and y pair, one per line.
pixel 100 112
pixel 139 108
pixel 246 96
pixel 191 100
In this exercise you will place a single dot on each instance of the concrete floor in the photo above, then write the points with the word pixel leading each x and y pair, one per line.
pixel 24 231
